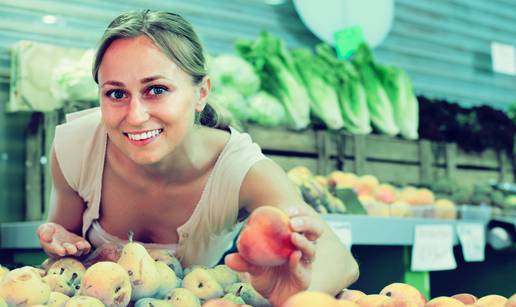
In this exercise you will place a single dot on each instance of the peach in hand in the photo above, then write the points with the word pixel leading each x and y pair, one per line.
pixel 266 238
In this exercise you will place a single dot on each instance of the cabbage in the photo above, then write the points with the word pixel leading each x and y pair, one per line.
pixel 278 75
pixel 324 102
pixel 351 94
pixel 231 100
pixel 405 106
pixel 266 110
pixel 232 71
pixel 380 107
pixel 72 81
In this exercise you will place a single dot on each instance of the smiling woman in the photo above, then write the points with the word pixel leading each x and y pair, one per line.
pixel 148 161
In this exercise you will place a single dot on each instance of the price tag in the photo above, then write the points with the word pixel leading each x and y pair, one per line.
pixel 343 232
pixel 347 41
pixel 433 248
pixel 503 58
pixel 472 240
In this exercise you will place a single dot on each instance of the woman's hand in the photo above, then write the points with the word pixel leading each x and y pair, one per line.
pixel 278 283
pixel 58 242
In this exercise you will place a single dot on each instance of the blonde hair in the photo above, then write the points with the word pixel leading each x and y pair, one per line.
pixel 175 37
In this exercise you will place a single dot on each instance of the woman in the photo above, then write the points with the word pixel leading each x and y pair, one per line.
pixel 151 160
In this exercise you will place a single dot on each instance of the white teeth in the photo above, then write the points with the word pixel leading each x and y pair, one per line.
pixel 144 135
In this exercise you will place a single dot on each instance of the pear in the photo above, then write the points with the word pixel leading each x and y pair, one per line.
pixel 202 284
pixel 151 302
pixel 224 275
pixel 57 299
pixel 58 283
pixel 3 303
pixel 168 280
pixel 108 282
pixel 3 272
pixel 24 287
pixel 168 257
pixel 84 301
pixel 248 294
pixel 181 297
pixel 142 270
pixel 71 268
pixel 233 298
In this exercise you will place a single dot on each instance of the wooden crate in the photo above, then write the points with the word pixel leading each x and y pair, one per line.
pixel 391 159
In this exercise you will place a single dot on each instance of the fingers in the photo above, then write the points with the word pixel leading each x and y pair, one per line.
pixel 57 249
pixel 46 232
pixel 305 246
pixel 83 247
pixel 311 227
pixel 239 264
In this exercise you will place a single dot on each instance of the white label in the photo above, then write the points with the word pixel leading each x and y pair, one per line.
pixel 503 58
pixel 472 240
pixel 343 232
pixel 433 248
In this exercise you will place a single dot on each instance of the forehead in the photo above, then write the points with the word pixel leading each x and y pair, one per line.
pixel 136 57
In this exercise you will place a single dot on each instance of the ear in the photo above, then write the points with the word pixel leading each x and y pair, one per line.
pixel 204 92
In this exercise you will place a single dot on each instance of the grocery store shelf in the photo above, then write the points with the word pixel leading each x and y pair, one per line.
pixel 371 230
pixel 19 235
pixel 366 230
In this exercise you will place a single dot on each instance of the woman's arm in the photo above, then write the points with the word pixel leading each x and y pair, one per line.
pixel 334 268
pixel 61 235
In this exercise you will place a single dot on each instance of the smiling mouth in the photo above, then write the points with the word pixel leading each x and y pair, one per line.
pixel 143 135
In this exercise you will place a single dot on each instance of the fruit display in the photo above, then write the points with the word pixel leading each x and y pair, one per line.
pixel 395 295
pixel 140 277
pixel 379 199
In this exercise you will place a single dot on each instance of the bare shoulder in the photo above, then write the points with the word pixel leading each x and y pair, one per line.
pixel 215 138
pixel 267 183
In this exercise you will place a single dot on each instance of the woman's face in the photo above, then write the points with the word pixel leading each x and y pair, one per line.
pixel 147 101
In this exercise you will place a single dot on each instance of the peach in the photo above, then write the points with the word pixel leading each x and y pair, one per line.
pixel 444 301
pixel 386 193
pixel 400 209
pixel 342 180
pixel 266 238
pixel 424 197
pixel 405 291
pixel 373 300
pixel 366 184
pixel 345 303
pixel 445 209
pixel 409 195
pixel 399 302
pixel 310 299
pixel 492 300
pixel 511 302
pixel 466 298
pixel 350 295
pixel 322 181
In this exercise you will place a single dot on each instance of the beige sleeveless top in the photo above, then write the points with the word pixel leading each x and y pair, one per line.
pixel 80 146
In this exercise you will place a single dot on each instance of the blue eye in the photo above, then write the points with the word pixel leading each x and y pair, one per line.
pixel 116 94
pixel 157 90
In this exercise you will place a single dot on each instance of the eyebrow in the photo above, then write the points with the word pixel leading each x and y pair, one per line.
pixel 142 81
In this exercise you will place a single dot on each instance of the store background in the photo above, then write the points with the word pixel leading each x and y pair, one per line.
pixel 444 46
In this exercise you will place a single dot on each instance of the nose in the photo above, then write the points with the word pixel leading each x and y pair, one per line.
pixel 137 113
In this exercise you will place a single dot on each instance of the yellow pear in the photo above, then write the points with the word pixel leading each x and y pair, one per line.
pixel 181 297
pixel 57 299
pixel 70 268
pixel 202 284
pixel 168 280
pixel 224 275
pixel 142 270
pixel 3 303
pixel 151 302
pixel 24 287
pixel 58 283
pixel 108 282
pixel 168 257
pixel 3 272
pixel 248 294
pixel 84 301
